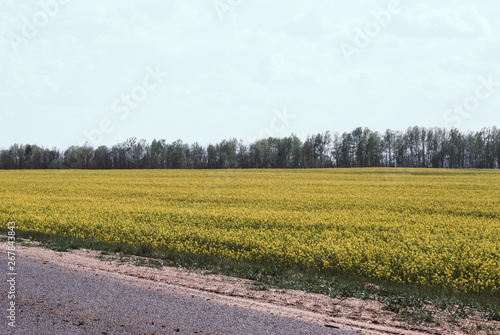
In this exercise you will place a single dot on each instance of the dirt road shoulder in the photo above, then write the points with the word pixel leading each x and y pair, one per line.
pixel 351 314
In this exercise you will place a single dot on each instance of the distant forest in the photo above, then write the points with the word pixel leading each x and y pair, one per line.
pixel 415 147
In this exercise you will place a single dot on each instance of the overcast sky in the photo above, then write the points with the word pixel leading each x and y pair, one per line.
pixel 205 70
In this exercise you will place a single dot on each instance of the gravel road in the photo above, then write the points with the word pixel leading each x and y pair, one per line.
pixel 53 299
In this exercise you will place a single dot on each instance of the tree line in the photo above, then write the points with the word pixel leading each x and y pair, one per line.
pixel 415 147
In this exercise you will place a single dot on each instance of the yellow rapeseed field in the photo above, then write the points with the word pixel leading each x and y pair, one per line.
pixel 433 227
